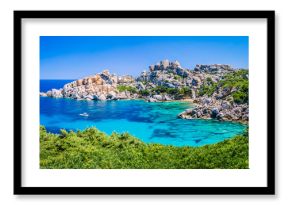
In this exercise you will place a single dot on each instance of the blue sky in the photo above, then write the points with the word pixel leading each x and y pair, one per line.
pixel 73 57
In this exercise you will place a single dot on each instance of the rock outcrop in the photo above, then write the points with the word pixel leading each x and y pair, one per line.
pixel 164 81
pixel 102 86
pixel 217 109
pixel 173 75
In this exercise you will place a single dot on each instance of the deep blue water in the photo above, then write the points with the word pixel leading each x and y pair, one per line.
pixel 46 85
pixel 151 122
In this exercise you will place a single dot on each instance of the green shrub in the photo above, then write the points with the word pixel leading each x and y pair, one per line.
pixel 92 149
pixel 177 77
pixel 207 89
pixel 144 92
pixel 159 89
pixel 173 91
pixel 185 92
pixel 123 88
pixel 176 92
pixel 240 97
pixel 236 82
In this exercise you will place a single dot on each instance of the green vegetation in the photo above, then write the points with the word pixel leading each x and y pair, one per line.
pixel 144 82
pixel 208 87
pixel 123 88
pixel 172 91
pixel 236 84
pixel 185 92
pixel 159 89
pixel 92 149
pixel 176 92
pixel 144 92
pixel 177 77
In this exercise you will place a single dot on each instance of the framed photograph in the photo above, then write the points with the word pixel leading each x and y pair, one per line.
pixel 144 102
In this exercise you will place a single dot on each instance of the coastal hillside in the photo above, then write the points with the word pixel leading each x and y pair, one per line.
pixel 217 91
pixel 93 149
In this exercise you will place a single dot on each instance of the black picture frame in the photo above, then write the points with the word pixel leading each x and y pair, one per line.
pixel 268 190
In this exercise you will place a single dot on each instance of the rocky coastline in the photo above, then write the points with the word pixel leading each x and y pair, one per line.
pixel 219 110
pixel 217 91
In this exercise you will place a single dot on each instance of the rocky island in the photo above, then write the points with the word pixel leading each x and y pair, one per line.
pixel 218 91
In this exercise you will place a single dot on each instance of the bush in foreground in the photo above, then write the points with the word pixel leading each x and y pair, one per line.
pixel 92 149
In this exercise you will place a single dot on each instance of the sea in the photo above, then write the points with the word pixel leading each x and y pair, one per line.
pixel 150 122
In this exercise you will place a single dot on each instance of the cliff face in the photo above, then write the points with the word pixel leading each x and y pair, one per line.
pixel 219 91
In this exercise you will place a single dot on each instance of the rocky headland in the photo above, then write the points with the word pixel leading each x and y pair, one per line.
pixel 218 91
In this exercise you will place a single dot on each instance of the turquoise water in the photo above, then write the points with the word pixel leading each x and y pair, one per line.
pixel 151 122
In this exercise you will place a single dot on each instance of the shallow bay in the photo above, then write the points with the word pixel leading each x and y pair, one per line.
pixel 151 122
